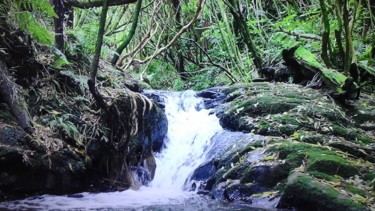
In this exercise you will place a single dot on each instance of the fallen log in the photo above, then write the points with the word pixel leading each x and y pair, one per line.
pixel 307 65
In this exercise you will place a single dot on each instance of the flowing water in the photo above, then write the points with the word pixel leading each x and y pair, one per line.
pixel 190 129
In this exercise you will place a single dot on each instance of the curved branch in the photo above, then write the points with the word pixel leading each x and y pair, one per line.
pixel 178 35
pixel 130 35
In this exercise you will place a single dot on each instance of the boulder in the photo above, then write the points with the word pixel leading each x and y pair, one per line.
pixel 302 192
pixel 30 165
pixel 155 121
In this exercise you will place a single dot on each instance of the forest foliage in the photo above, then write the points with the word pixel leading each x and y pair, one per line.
pixel 226 42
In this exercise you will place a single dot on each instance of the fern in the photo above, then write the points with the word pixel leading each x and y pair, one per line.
pixel 29 23
pixel 39 5
pixel 24 12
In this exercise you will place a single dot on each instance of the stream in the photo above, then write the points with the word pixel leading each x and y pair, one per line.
pixel 189 144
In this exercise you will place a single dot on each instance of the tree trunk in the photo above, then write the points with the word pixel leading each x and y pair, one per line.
pixel 349 47
pixel 130 35
pixel 239 19
pixel 10 92
pixel 70 16
pixel 179 62
pixel 338 32
pixel 117 120
pixel 325 36
pixel 59 24
pixel 342 87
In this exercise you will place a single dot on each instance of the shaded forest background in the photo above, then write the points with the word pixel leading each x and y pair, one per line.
pixel 178 45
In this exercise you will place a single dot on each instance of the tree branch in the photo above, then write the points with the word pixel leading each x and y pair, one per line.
pixel 98 3
pixel 306 36
pixel 178 35
pixel 229 74
pixel 130 35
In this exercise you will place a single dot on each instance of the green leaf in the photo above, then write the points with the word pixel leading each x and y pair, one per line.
pixel 29 23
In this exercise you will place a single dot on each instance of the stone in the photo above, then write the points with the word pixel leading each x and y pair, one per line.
pixel 302 192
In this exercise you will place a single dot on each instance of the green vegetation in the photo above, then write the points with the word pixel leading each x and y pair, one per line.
pixel 64 66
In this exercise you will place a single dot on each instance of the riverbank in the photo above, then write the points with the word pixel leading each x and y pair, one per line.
pixel 318 154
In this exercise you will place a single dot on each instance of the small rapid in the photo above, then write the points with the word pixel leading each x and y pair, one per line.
pixel 190 129
pixel 189 134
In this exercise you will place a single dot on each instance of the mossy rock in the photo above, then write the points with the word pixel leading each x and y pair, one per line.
pixel 266 104
pixel 352 135
pixel 331 164
pixel 355 150
pixel 317 158
pixel 302 192
pixel 294 153
pixel 310 137
pixel 321 175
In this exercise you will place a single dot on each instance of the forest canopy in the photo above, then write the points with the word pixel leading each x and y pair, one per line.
pixel 177 45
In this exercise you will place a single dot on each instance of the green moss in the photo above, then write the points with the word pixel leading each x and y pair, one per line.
pixel 303 191
pixel 250 147
pixel 333 76
pixel 329 163
pixel 351 135
pixel 293 151
pixel 355 190
pixel 236 172
pixel 266 104
pixel 317 158
pixel 6 115
pixel 305 55
pixel 321 175
pixel 246 176
pixel 369 176
pixel 309 137
pixel 288 129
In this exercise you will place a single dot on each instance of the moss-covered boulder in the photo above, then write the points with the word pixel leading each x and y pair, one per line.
pixel 303 192
pixel 307 132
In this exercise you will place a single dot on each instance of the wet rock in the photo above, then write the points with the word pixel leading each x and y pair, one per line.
pixel 10 135
pixel 307 132
pixel 142 175
pixel 154 129
pixel 204 171
pixel 302 192
pixel 29 165
pixel 212 97
pixel 157 97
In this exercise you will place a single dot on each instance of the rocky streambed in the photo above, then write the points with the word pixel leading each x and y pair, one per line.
pixel 317 155
pixel 286 146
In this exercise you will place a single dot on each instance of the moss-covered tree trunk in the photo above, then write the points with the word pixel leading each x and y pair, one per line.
pixel 241 23
pixel 130 35
pixel 325 36
pixel 348 27
pixel 117 118
pixel 338 32
pixel 305 62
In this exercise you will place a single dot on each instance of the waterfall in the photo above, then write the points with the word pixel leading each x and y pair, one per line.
pixel 188 141
pixel 189 132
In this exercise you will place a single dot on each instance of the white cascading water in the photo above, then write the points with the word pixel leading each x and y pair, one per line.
pixel 189 134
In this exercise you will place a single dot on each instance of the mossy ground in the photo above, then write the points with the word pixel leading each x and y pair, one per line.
pixel 310 134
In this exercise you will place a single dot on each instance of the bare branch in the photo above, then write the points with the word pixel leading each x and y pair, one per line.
pixel 211 62
pixel 306 36
pixel 178 35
